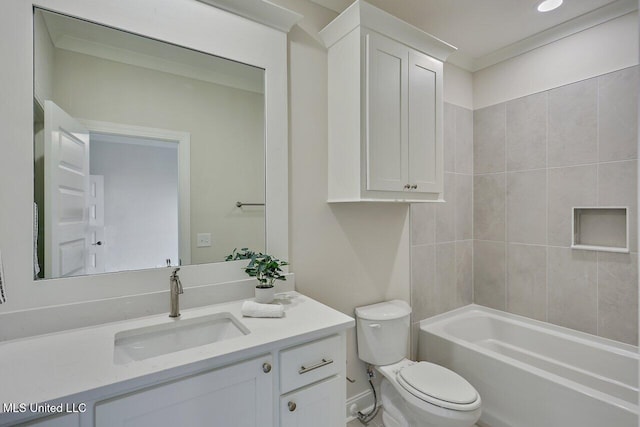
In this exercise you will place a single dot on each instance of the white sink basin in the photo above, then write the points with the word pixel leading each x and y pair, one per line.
pixel 155 340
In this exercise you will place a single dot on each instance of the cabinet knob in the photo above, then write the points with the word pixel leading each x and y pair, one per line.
pixel 266 367
pixel 414 186
pixel 407 186
pixel 292 406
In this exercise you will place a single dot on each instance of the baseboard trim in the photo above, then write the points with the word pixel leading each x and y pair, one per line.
pixel 363 402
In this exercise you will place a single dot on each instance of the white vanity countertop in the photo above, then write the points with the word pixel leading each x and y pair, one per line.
pixel 59 365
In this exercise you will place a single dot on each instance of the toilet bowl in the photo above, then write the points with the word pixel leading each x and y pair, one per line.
pixel 414 394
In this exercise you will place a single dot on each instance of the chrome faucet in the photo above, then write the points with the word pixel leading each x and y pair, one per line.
pixel 176 289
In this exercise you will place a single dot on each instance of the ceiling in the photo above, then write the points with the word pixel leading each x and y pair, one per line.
pixel 489 31
pixel 87 38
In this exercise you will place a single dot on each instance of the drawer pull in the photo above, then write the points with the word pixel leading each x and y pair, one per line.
pixel 292 406
pixel 304 369
pixel 266 367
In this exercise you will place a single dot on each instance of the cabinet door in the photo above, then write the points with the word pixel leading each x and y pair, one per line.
pixel 318 405
pixel 425 152
pixel 239 395
pixel 386 126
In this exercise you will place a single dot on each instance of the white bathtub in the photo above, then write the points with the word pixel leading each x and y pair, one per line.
pixel 533 374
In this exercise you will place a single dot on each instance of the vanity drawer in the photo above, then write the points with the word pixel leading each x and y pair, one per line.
pixel 308 363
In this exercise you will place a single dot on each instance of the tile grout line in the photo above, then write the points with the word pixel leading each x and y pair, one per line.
pixel 597 201
pixel 506 218
pixel 473 219
pixel 559 167
pixel 546 237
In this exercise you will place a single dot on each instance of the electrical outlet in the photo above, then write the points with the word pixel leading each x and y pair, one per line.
pixel 204 240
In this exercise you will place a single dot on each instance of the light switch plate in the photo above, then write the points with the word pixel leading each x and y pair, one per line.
pixel 204 240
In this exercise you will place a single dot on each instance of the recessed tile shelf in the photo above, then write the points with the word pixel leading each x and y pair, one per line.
pixel 601 228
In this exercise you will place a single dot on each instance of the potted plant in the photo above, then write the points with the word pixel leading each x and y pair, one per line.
pixel 263 267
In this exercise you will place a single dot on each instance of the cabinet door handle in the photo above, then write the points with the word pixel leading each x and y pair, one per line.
pixel 407 186
pixel 304 369
pixel 291 406
pixel 266 367
pixel 414 186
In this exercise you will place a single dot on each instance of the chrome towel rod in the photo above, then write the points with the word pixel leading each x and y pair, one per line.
pixel 240 204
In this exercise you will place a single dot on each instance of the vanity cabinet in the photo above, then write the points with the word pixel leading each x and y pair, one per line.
pixel 314 372
pixel 385 108
pixel 239 395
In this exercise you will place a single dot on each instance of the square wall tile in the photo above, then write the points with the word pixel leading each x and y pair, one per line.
pixel 489 207
pixel 445 212
pixel 423 281
pixel 489 263
pixel 449 137
pixel 527 280
pixel 573 138
pixel 464 273
pixel 464 207
pixel 423 223
pixel 489 139
pixel 618 115
pixel 568 187
pixel 618 297
pixel 527 207
pixel 572 289
pixel 527 132
pixel 617 186
pixel 446 276
pixel 464 140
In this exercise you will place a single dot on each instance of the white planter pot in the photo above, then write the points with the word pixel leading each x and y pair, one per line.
pixel 265 295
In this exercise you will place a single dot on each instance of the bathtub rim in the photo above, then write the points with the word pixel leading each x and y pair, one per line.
pixel 434 325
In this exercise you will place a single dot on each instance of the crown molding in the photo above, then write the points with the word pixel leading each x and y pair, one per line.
pixel 261 11
pixel 573 26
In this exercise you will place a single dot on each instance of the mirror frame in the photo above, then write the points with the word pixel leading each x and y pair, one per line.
pixel 190 24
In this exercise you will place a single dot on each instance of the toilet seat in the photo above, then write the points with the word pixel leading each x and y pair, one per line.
pixel 439 386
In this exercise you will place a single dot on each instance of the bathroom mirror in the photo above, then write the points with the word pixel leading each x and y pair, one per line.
pixel 143 152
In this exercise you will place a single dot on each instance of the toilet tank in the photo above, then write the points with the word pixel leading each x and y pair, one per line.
pixel 383 332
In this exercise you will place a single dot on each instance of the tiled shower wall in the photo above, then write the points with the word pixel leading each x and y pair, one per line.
pixel 442 233
pixel 534 159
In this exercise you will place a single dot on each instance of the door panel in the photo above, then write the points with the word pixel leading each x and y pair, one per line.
pixel 97 243
pixel 424 167
pixel 318 405
pixel 66 188
pixel 386 109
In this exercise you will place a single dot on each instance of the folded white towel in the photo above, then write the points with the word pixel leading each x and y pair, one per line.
pixel 254 309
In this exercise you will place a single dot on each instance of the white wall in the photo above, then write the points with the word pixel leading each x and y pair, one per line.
pixel 607 47
pixel 458 86
pixel 227 138
pixel 343 255
pixel 140 203
pixel 44 60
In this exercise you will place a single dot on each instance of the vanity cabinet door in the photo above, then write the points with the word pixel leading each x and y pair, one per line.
pixel 240 395
pixel 318 405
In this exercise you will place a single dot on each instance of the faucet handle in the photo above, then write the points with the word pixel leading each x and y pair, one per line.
pixel 174 276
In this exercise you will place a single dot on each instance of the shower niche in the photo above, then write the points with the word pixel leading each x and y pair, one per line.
pixel 601 228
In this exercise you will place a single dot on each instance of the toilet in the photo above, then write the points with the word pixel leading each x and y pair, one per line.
pixel 414 394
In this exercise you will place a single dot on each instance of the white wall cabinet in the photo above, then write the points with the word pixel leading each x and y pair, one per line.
pixel 385 108
pixel 239 395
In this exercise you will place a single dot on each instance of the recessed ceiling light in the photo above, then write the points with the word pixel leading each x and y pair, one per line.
pixel 547 5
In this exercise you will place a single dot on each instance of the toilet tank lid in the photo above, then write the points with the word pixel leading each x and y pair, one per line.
pixel 388 310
